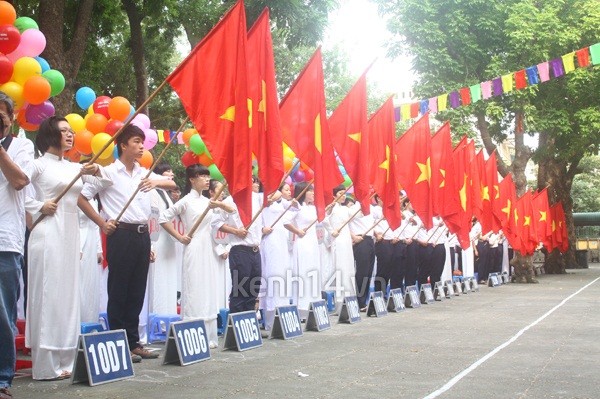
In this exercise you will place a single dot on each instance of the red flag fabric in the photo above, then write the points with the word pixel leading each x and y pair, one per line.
pixel 348 128
pixel 444 193
pixel 486 217
pixel 382 127
pixel 462 180
pixel 265 126
pixel 505 208
pixel 556 233
pixel 542 218
pixel 475 181
pixel 211 84
pixel 524 223
pixel 306 132
pixel 561 228
pixel 413 167
pixel 491 174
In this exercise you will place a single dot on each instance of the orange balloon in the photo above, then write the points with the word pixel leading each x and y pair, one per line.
pixel 96 123
pixel 146 159
pixel 30 127
pixel 105 161
pixel 83 142
pixel 7 13
pixel 119 108
pixel 288 163
pixel 73 155
pixel 205 159
pixel 187 135
pixel 36 90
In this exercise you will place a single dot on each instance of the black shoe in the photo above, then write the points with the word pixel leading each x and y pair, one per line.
pixel 5 393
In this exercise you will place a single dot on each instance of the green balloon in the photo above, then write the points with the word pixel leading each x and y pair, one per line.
pixel 24 23
pixel 197 145
pixel 215 173
pixel 56 80
pixel 347 181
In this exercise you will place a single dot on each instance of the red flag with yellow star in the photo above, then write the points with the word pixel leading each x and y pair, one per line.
pixel 542 218
pixel 306 132
pixel 265 125
pixel 491 175
pixel 444 192
pixel 348 127
pixel 475 181
pixel 561 235
pixel 413 167
pixel 486 216
pixel 524 222
pixel 382 127
pixel 211 84
pixel 462 180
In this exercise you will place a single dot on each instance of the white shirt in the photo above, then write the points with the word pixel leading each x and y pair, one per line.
pixel 361 223
pixel 435 233
pixel 254 235
pixel 114 197
pixel 382 227
pixel 12 202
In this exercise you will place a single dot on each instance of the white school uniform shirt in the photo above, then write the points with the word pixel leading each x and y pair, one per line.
pixel 382 227
pixel 361 223
pixel 254 235
pixel 12 202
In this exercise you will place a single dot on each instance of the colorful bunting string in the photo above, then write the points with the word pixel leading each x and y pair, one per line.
pixel 503 84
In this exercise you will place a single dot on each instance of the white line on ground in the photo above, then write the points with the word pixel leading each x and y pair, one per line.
pixel 479 362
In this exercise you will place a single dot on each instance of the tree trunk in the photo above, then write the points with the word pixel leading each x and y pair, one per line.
pixel 65 57
pixel 136 44
pixel 558 177
pixel 523 267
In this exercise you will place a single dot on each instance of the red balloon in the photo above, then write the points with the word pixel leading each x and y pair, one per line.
pixel 308 175
pixel 6 68
pixel 189 158
pixel 101 106
pixel 9 38
pixel 113 126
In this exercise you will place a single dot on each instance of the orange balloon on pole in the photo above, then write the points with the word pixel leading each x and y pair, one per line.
pixel 83 142
pixel 146 159
pixel 30 127
pixel 205 159
pixel 36 90
pixel 119 108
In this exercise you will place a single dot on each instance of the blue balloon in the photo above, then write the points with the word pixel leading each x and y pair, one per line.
pixel 43 63
pixel 85 97
pixel 296 167
pixel 116 152
pixel 131 111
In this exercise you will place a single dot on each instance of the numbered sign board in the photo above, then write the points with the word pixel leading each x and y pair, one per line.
pixel 449 289
pixel 377 305
pixel 102 357
pixel 287 323
pixel 505 277
pixel 493 280
pixel 242 332
pixel 411 298
pixel 318 317
pixel 426 294
pixel 474 285
pixel 350 312
pixel 396 301
pixel 438 292
pixel 457 288
pixel 466 284
pixel 187 343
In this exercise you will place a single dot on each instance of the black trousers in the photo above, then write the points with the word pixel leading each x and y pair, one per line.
pixel 482 262
pixel 412 264
pixel 384 250
pixel 245 267
pixel 456 258
pixel 128 257
pixel 398 266
pixel 438 259
pixel 364 257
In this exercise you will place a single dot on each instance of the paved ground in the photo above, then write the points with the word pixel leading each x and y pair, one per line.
pixel 480 345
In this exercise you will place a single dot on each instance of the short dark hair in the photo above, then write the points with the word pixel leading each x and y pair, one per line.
pixel 10 105
pixel 49 134
pixel 127 133
pixel 337 189
pixel 192 171
pixel 162 167
pixel 212 186
pixel 299 188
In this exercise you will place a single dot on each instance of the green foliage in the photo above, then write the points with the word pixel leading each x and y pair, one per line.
pixel 586 190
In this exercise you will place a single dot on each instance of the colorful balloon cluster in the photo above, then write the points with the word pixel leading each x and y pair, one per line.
pixel 198 153
pixel 24 75
pixel 105 116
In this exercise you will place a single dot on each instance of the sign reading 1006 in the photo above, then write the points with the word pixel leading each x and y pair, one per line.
pixel 192 341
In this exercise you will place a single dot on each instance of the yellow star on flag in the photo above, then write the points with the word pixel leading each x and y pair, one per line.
pixel 506 209
pixel 485 193
pixel 229 114
pixel 356 137
pixel 443 173
pixel 516 217
pixel 527 221
pixel 497 190
pixel 318 134
pixel 553 226
pixel 386 164
pixel 542 216
pixel 425 169
pixel 463 194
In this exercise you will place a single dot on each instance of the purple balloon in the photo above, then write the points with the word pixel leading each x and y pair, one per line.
pixel 36 114
pixel 298 176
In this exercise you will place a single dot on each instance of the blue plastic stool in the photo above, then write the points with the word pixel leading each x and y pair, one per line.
pixel 87 328
pixel 158 326
pixel 103 319
pixel 329 297
pixel 222 321
pixel 457 278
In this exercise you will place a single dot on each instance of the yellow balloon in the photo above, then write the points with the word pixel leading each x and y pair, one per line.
pixel 14 91
pixel 90 110
pixel 105 161
pixel 76 121
pixel 287 151
pixel 98 141
pixel 24 68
